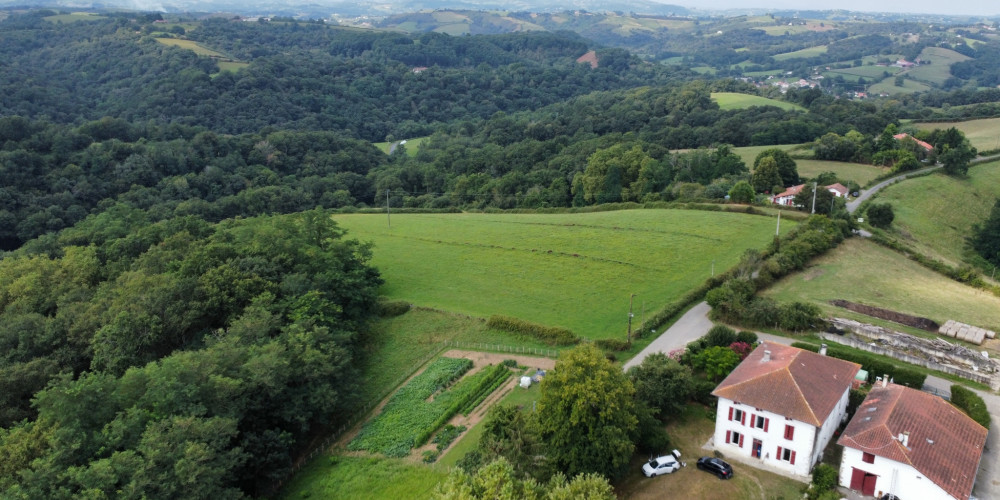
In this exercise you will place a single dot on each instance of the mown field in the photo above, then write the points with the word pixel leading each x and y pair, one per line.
pixel 571 270
pixel 857 172
pixel 862 271
pixel 359 477
pixel 868 72
pixel 190 45
pixel 983 134
pixel 733 100
pixel 939 69
pixel 412 145
pixel 804 53
pixel 74 17
pixel 888 86
pixel 935 213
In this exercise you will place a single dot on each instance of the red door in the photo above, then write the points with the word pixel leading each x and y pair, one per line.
pixel 863 481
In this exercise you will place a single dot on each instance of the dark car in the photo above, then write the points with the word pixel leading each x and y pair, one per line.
pixel 716 466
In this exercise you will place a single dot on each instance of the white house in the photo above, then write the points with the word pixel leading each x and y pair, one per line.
pixel 787 197
pixel 781 406
pixel 911 444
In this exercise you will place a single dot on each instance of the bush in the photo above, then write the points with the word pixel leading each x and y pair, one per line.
pixel 721 336
pixel 550 335
pixel 880 215
pixel 747 337
pixel 824 479
pixel 612 344
pixel 970 403
pixel 393 308
pixel 701 392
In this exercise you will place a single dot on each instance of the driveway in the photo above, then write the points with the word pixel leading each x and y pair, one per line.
pixel 690 327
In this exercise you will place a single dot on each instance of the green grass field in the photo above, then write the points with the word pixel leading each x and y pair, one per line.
pixel 749 153
pixel 862 271
pixel 888 86
pixel 370 478
pixel 935 213
pixel 571 270
pixel 74 17
pixel 190 45
pixel 940 68
pixel 868 72
pixel 231 66
pixel 732 100
pixel 804 53
pixel 412 145
pixel 857 172
pixel 983 134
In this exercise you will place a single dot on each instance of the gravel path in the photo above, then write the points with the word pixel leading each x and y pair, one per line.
pixel 690 327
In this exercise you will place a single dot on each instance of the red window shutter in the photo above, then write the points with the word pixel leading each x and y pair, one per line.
pixel 766 420
pixel 743 420
pixel 778 456
pixel 793 458
pixel 789 432
pixel 730 413
pixel 728 433
pixel 753 420
pixel 741 440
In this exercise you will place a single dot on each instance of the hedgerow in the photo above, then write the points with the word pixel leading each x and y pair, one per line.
pixel 549 334
pixel 970 403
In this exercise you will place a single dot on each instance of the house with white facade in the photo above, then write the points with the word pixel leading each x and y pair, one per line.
pixel 781 406
pixel 787 197
pixel 910 444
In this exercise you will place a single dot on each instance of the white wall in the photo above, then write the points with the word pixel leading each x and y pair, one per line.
pixel 801 442
pixel 909 483
pixel 830 425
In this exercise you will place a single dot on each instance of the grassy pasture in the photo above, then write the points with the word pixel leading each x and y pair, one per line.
pixel 231 66
pixel 936 212
pixel 804 53
pixel 939 69
pixel 190 45
pixel 862 271
pixel 570 270
pixel 412 145
pixel 371 478
pixel 733 100
pixel 857 172
pixel 74 17
pixel 983 134
pixel 749 153
pixel 889 87
pixel 868 72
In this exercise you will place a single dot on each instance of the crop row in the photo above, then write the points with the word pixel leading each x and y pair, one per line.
pixel 495 377
pixel 409 412
pixel 459 398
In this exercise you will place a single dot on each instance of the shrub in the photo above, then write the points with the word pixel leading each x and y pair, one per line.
pixel 970 403
pixel 880 215
pixel 741 348
pixel 748 337
pixel 716 362
pixel 824 479
pixel 701 392
pixel 393 308
pixel 720 336
pixel 612 344
pixel 548 334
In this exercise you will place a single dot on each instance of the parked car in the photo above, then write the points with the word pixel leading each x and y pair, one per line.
pixel 716 466
pixel 663 465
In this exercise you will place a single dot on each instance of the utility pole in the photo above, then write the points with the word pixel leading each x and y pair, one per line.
pixel 388 220
pixel 814 198
pixel 628 336
pixel 777 229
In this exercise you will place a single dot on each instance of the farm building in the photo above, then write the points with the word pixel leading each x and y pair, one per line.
pixel 911 444
pixel 787 197
pixel 781 406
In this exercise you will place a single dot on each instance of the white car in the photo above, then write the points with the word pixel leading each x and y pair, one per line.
pixel 663 465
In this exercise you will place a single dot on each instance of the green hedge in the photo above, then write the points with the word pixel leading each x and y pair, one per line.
pixel 393 308
pixel 550 335
pixel 874 364
pixel 612 344
pixel 970 403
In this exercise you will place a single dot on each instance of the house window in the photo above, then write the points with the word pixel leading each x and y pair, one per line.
pixel 789 432
pixel 737 415
pixel 734 438
pixel 868 458
pixel 786 455
pixel 759 422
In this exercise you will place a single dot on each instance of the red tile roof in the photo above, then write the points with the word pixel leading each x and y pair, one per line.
pixel 839 188
pixel 944 444
pixel 792 191
pixel 796 383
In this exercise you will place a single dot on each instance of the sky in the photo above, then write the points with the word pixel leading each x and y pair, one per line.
pixel 950 7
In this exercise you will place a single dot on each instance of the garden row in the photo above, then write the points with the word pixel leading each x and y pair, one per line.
pixel 426 403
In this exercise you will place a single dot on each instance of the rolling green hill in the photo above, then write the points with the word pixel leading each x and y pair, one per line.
pixel 733 100
pixel 983 134
pixel 571 270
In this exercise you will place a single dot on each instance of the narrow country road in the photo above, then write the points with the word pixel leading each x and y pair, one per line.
pixel 868 193
pixel 690 327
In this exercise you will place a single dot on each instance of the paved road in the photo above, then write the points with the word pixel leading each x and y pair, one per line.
pixel 868 193
pixel 690 327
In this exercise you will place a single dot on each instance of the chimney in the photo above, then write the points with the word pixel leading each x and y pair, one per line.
pixel 885 380
pixel 904 438
pixel 767 357
pixel 822 349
